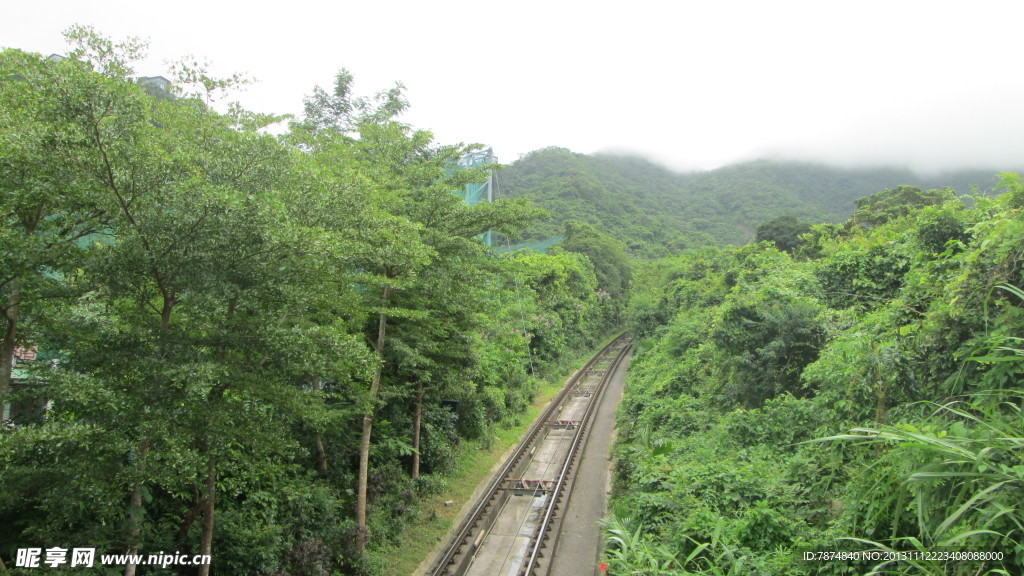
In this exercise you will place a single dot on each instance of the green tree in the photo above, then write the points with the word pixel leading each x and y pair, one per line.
pixel 49 204
pixel 784 232
pixel 893 203
pixel 182 284
pixel 416 238
pixel 611 264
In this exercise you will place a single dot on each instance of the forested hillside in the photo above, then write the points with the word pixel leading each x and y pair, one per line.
pixel 262 349
pixel 657 211
pixel 862 393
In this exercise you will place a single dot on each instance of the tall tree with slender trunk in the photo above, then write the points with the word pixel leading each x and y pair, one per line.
pixel 47 204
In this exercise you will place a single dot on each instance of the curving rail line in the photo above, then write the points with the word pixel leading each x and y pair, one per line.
pixel 513 529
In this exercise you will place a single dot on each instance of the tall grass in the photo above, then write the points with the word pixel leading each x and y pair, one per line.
pixel 968 474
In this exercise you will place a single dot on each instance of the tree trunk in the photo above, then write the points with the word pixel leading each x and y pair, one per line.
pixel 321 454
pixel 134 516
pixel 135 498
pixel 165 316
pixel 882 396
pixel 417 414
pixel 9 344
pixel 206 540
pixel 134 503
pixel 364 443
pixel 364 465
pixel 198 504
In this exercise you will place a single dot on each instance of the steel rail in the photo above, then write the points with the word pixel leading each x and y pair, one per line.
pixel 540 534
pixel 473 519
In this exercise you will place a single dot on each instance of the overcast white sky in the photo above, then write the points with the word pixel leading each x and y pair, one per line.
pixel 934 85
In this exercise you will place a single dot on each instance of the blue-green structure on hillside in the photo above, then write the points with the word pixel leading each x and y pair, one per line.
pixel 475 192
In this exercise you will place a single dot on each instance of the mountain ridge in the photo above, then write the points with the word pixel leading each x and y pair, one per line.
pixel 657 211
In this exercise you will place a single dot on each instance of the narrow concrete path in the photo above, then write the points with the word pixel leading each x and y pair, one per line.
pixel 579 543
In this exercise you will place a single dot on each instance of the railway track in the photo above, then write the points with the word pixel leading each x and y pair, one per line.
pixel 513 529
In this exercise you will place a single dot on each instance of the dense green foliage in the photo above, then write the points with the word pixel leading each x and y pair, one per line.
pixel 862 394
pixel 657 212
pixel 265 347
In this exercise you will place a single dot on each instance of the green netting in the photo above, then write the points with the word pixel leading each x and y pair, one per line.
pixel 536 245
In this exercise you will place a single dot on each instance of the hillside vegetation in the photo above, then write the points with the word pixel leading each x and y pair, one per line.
pixel 863 393
pixel 657 212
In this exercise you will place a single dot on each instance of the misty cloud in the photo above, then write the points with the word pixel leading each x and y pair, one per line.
pixel 933 86
pixel 982 131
